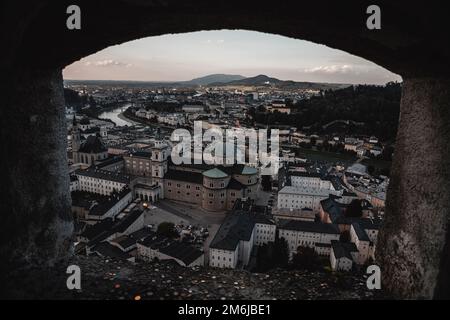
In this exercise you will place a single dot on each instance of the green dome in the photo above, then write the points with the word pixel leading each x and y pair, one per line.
pixel 215 174
pixel 249 170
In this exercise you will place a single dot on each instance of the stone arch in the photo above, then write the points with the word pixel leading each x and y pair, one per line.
pixel 413 244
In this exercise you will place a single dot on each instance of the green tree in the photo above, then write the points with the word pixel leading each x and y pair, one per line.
pixel 167 229
pixel 281 252
pixel 306 258
pixel 266 183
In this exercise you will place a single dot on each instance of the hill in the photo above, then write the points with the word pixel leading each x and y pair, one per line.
pixel 263 80
pixel 214 78
pixel 364 109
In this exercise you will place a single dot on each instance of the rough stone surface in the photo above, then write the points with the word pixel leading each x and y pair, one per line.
pixel 408 42
pixel 35 218
pixel 411 244
pixel 123 280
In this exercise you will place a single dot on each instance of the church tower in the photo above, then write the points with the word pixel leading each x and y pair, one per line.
pixel 76 140
pixel 160 154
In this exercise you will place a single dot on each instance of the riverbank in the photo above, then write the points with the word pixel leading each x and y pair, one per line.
pixel 124 118
pixel 131 117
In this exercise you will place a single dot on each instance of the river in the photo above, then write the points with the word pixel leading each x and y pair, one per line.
pixel 114 116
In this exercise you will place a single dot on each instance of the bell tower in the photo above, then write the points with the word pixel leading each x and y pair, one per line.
pixel 76 140
pixel 160 154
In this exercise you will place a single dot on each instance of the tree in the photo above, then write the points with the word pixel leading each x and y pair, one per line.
pixel 306 258
pixel 281 252
pixel 345 236
pixel 266 183
pixel 264 259
pixel 371 169
pixel 354 209
pixel 167 229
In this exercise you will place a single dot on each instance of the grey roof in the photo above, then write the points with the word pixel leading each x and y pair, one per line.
pixel 104 206
pixel 128 220
pixel 107 227
pixel 108 161
pixel 93 144
pixel 142 233
pixel 180 175
pixel 308 226
pixel 340 250
pixel 360 233
pixel 370 224
pixel 104 175
pixel 333 208
pixel 125 241
pixel 235 227
pixel 182 251
pixel 235 185
pixel 98 229
pixel 172 248
pixel 106 249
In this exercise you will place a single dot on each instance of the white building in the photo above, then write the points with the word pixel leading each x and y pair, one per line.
pixel 264 233
pixel 302 197
pixel 101 181
pixel 360 238
pixel 342 256
pixel 234 241
pixel 193 108
pixel 315 235
pixel 310 180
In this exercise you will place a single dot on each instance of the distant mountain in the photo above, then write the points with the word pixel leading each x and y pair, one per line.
pixel 214 78
pixel 263 80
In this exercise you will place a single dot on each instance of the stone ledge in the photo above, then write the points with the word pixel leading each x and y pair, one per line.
pixel 122 280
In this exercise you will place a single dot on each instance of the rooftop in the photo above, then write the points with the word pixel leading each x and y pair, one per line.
pixel 104 175
pixel 93 144
pixel 308 226
pixel 215 174
pixel 187 176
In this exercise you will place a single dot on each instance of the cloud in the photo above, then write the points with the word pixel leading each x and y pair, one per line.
pixel 107 63
pixel 333 69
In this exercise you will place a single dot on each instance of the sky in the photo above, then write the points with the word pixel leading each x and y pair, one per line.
pixel 179 57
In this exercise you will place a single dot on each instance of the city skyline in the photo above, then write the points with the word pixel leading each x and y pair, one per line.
pixel 181 57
